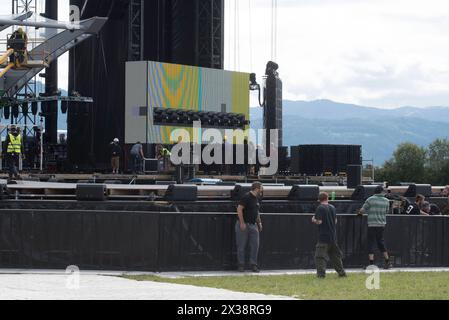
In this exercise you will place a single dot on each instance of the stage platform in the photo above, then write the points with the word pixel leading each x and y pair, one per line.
pixel 279 190
pixel 34 189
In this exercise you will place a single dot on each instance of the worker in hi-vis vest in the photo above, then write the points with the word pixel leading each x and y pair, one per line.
pixel 13 148
pixel 19 42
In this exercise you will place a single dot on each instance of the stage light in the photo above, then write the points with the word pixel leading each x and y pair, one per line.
pixel 6 112
pixel 25 108
pixel 15 111
pixel 253 85
pixel 64 106
pixel 34 108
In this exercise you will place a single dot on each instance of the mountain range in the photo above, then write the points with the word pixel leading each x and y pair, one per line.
pixel 379 131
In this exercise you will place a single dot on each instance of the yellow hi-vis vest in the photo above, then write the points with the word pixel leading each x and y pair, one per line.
pixel 15 144
pixel 166 152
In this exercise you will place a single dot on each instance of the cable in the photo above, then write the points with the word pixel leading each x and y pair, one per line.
pixel 235 35
pixel 238 33
pixel 275 28
pixel 250 19
pixel 272 29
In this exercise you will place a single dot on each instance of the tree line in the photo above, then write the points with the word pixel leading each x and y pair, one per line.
pixel 414 164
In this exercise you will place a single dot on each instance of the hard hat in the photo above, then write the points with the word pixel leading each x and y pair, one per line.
pixel 116 140
pixel 20 29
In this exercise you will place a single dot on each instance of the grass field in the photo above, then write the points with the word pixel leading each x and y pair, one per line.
pixel 393 286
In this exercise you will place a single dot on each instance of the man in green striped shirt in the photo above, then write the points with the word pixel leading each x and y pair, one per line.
pixel 377 207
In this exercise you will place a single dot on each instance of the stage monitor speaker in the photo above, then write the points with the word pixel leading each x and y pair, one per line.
pixel 239 191
pixel 304 193
pixel 354 175
pixel 177 192
pixel 90 192
pixel 362 193
pixel 415 189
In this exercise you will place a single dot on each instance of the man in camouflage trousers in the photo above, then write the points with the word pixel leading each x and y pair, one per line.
pixel 327 249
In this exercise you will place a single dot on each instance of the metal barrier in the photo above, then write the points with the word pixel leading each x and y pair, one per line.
pixel 145 241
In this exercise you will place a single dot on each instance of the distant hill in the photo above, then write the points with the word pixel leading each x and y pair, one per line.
pixel 379 131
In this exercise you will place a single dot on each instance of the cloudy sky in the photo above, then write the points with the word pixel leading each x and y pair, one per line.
pixel 383 53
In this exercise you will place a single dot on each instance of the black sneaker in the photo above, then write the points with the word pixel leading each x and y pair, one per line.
pixel 321 276
pixel 342 275
pixel 255 269
pixel 388 266
pixel 241 269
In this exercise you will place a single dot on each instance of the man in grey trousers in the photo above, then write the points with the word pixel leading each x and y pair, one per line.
pixel 248 227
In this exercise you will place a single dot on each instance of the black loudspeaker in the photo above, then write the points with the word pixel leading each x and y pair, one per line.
pixel 283 159
pixel 177 192
pixel 415 189
pixel 90 192
pixel 354 175
pixel 239 191
pixel 304 192
pixel 273 107
pixel 294 160
pixel 362 193
pixel 151 165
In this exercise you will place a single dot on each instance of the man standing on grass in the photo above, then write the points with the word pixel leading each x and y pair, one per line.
pixel 327 248
pixel 377 207
pixel 248 226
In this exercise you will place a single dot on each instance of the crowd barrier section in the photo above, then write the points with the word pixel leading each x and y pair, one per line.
pixel 171 241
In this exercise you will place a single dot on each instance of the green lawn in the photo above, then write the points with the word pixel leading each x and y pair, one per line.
pixel 393 286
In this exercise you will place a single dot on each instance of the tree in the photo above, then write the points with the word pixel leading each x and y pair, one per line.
pixel 407 165
pixel 438 162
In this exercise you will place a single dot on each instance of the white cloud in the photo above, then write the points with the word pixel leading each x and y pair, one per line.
pixel 383 53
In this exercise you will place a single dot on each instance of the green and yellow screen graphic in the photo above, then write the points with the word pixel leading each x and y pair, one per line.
pixel 181 87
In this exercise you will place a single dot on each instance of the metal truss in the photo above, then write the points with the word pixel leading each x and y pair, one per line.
pixel 210 45
pixel 136 30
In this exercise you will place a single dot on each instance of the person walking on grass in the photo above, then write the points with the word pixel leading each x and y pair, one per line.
pixel 377 207
pixel 327 248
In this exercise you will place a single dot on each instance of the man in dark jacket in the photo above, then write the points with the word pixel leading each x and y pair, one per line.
pixel 13 149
